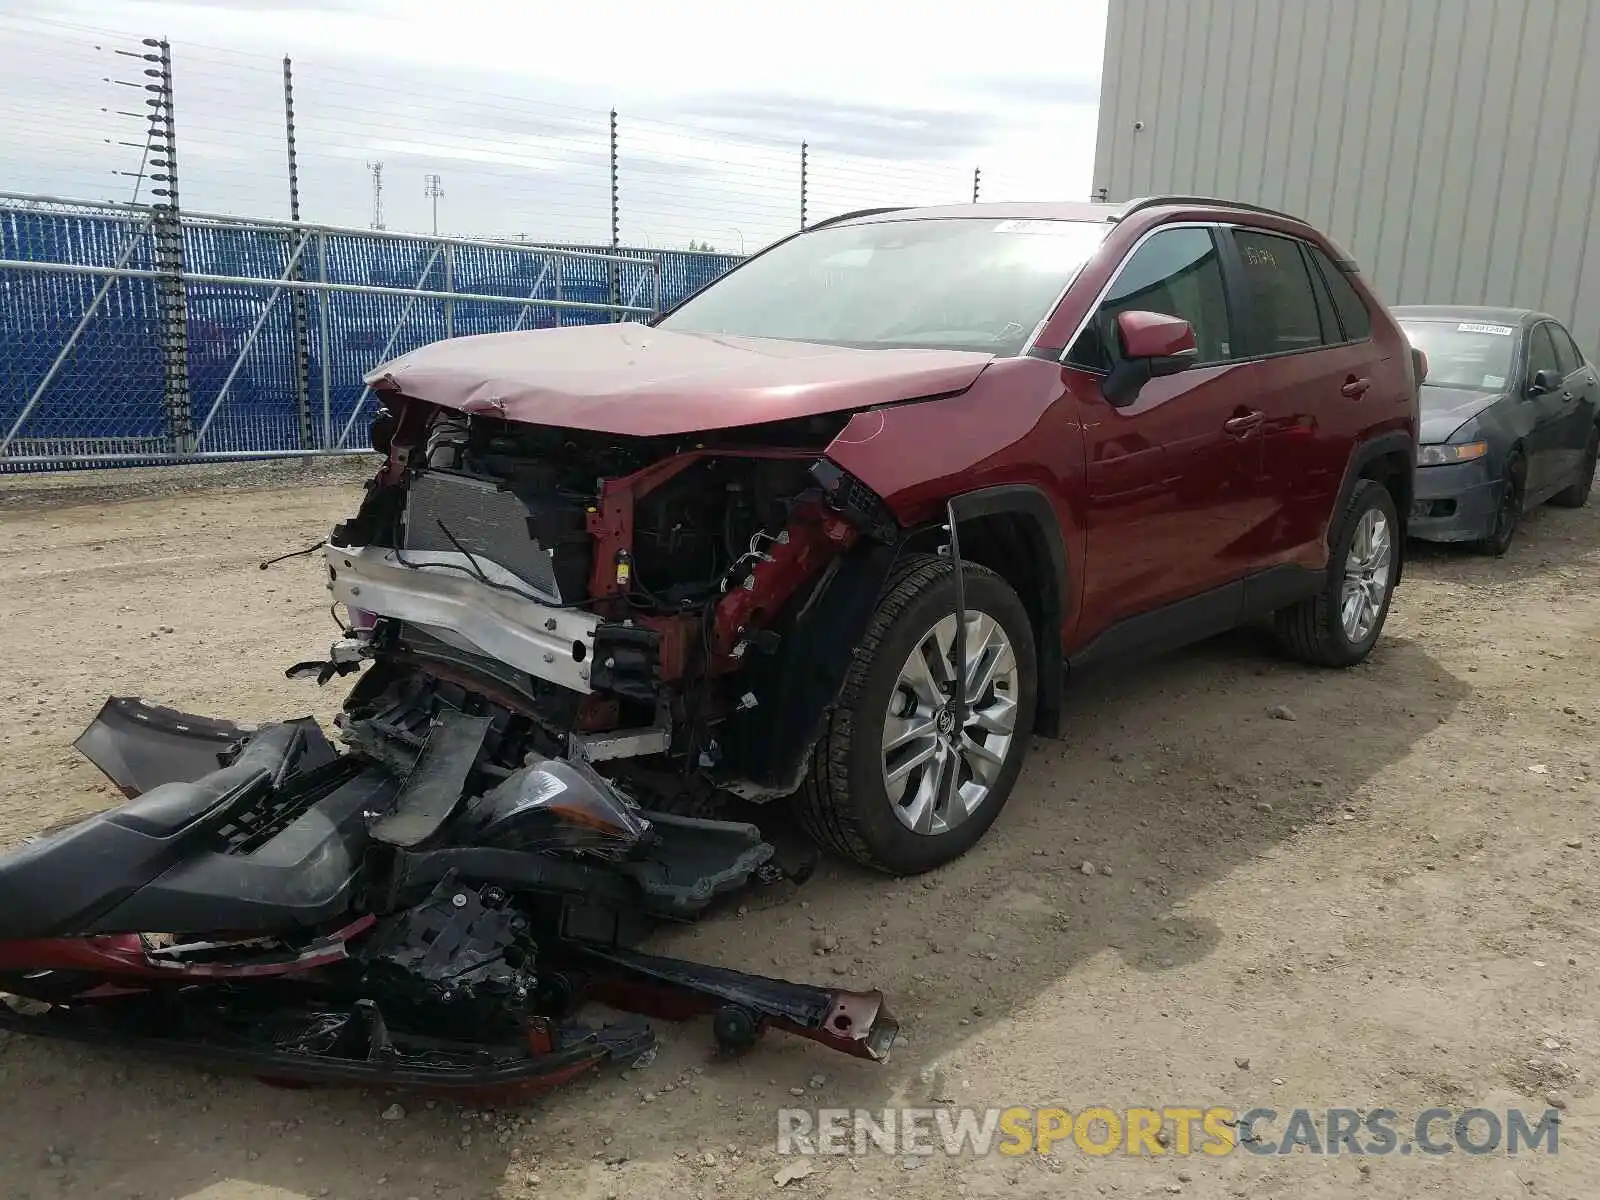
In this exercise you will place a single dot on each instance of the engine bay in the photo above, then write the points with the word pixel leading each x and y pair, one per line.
pixel 654 606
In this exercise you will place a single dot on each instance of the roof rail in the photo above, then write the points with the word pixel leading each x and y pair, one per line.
pixel 860 212
pixel 1142 202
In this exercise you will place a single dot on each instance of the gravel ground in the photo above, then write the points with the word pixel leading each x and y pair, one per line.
pixel 1235 883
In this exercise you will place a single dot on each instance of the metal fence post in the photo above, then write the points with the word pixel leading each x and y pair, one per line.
pixel 167 229
pixel 803 158
pixel 300 333
pixel 614 276
pixel 449 286
pixel 323 302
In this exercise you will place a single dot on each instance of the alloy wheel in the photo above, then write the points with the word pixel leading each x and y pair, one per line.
pixel 937 775
pixel 1367 567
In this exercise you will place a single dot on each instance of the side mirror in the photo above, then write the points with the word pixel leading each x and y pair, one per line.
pixel 1153 345
pixel 1544 382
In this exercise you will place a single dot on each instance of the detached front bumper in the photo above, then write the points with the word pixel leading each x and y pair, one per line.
pixel 1454 503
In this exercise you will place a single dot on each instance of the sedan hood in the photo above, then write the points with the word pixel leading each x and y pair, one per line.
pixel 637 381
pixel 1444 410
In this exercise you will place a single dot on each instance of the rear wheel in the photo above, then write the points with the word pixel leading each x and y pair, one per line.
pixel 1508 513
pixel 894 784
pixel 1577 494
pixel 1339 626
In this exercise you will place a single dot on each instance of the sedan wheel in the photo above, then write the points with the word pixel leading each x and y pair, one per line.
pixel 1576 494
pixel 1508 514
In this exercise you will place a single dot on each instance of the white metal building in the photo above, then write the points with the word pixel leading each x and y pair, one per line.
pixel 1451 146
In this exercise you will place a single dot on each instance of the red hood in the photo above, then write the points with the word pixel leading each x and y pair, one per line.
pixel 642 382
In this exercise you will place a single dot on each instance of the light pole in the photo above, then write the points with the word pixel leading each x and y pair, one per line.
pixel 434 190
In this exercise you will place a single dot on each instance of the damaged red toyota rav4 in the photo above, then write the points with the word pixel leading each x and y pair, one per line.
pixel 727 553
pixel 834 532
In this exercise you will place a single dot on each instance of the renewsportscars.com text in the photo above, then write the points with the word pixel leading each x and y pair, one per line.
pixel 1155 1132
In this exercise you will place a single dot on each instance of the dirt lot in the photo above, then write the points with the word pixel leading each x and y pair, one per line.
pixel 1386 901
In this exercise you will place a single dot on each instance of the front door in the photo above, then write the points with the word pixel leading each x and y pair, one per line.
pixel 1546 469
pixel 1172 478
pixel 1580 395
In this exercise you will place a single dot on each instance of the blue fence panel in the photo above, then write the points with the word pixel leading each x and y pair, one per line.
pixel 259 410
pixel 108 398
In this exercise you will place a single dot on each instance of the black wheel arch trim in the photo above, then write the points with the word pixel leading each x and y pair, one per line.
pixel 1029 501
pixel 1395 441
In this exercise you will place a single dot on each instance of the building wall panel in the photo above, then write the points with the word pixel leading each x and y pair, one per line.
pixel 1452 146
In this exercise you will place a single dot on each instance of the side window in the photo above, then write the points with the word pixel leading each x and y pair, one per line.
pixel 1568 358
pixel 1283 302
pixel 1331 333
pixel 1353 314
pixel 1175 272
pixel 1541 352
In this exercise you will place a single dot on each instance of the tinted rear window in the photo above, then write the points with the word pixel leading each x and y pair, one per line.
pixel 1282 295
pixel 1353 314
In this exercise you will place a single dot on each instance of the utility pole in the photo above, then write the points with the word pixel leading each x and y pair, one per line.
pixel 434 189
pixel 804 154
pixel 166 224
pixel 299 310
pixel 377 194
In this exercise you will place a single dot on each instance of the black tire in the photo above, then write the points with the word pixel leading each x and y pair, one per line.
pixel 1508 514
pixel 1576 495
pixel 1313 631
pixel 844 804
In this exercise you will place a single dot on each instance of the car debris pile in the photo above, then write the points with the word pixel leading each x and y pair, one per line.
pixel 567 656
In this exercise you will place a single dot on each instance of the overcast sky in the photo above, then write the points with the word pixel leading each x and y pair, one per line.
pixel 508 102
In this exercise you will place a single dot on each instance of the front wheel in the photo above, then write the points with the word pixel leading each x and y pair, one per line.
pixel 894 783
pixel 1508 512
pixel 1339 626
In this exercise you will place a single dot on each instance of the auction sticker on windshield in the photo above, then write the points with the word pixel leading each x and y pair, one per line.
pixel 1475 327
pixel 1045 228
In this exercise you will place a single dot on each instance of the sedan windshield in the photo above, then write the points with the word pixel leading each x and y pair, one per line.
pixel 949 284
pixel 1467 355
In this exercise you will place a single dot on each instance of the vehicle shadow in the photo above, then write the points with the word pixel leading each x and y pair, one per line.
pixel 1170 777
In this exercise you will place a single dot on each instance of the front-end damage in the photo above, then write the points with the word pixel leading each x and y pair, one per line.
pixel 675 610
pixel 570 651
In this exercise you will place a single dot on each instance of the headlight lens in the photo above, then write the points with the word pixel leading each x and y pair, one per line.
pixel 1438 456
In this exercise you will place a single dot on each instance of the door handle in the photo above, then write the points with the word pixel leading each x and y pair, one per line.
pixel 1355 388
pixel 1243 425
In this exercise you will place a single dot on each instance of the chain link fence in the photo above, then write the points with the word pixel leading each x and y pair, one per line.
pixel 280 323
pixel 157 330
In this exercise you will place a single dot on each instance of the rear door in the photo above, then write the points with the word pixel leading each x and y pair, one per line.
pixel 1309 379
pixel 1582 398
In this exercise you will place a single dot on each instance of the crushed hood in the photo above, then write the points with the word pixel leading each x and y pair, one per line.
pixel 637 381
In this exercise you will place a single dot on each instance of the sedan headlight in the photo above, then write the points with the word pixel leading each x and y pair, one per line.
pixel 1438 456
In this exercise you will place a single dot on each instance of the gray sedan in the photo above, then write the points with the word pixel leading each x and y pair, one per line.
pixel 1510 419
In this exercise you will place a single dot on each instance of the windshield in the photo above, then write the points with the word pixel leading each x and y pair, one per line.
pixel 949 284
pixel 1469 355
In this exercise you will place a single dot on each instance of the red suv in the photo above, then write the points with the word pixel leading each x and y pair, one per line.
pixel 841 526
